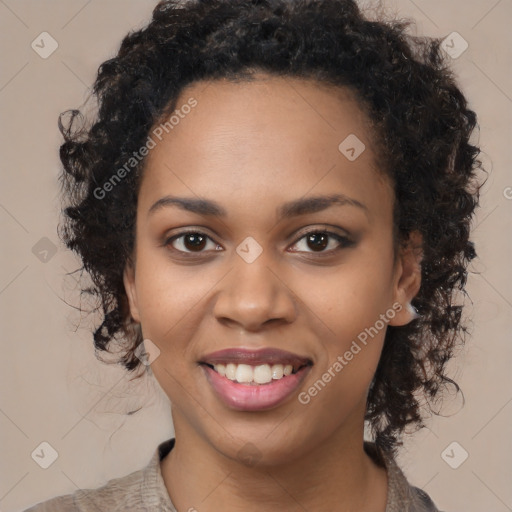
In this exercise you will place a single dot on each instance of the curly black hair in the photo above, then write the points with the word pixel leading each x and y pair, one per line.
pixel 420 120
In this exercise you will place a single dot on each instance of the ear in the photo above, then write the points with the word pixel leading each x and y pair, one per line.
pixel 407 278
pixel 131 291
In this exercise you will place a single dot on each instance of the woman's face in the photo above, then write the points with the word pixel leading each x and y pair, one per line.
pixel 248 171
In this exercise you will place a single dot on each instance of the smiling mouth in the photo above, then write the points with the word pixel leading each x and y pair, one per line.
pixel 256 375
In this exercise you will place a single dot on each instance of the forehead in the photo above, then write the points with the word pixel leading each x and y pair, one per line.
pixel 275 138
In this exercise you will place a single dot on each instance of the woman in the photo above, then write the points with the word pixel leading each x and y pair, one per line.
pixel 274 206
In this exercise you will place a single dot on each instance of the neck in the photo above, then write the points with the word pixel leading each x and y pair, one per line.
pixel 336 475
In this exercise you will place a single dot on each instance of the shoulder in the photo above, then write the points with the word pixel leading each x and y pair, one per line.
pixel 139 491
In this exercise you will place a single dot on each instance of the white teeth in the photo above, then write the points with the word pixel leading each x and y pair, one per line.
pixel 230 371
pixel 262 374
pixel 244 373
pixel 277 371
pixel 247 374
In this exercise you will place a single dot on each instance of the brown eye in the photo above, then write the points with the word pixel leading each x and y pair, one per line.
pixel 190 242
pixel 320 240
pixel 194 241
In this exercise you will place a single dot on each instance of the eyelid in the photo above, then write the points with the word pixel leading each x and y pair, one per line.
pixel 322 228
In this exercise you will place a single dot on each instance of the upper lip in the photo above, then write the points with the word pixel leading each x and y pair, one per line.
pixel 255 357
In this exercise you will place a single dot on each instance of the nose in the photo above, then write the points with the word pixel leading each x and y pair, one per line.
pixel 253 296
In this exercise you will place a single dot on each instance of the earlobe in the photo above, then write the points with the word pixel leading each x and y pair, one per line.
pixel 408 279
pixel 131 293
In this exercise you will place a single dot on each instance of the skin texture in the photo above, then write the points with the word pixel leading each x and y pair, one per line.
pixel 252 146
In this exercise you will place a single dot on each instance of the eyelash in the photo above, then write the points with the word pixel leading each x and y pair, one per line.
pixel 344 242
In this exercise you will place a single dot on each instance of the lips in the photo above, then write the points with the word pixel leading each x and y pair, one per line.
pixel 246 395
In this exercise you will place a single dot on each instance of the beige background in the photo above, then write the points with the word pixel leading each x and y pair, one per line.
pixel 54 390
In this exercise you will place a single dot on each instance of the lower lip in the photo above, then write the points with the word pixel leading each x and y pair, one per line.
pixel 254 397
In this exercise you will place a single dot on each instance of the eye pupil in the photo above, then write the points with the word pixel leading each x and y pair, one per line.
pixel 321 243
pixel 195 240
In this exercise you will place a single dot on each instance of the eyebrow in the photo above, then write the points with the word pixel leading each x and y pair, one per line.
pixel 287 210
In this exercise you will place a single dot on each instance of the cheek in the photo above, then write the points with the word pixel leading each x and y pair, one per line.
pixel 349 298
pixel 348 355
pixel 354 306
pixel 167 300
